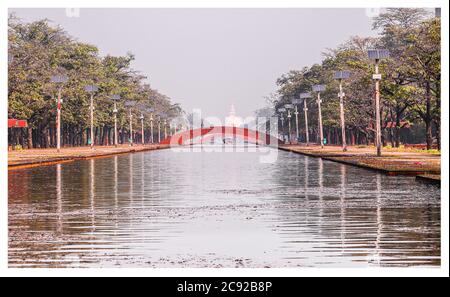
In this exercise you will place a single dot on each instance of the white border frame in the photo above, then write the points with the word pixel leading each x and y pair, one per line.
pixel 278 272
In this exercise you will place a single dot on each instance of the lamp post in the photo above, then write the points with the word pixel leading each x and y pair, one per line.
pixel 281 111
pixel 115 98
pixel 296 102
pixel 340 75
pixel 318 89
pixel 59 80
pixel 130 105
pixel 159 128
pixel 151 110
pixel 142 129
pixel 306 96
pixel 91 89
pixel 376 55
pixel 289 116
pixel 165 128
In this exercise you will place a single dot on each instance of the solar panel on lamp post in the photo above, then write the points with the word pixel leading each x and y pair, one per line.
pixel 376 55
pixel 340 75
pixel 92 89
pixel 130 105
pixel 306 96
pixel 319 89
pixel 59 80
pixel 115 98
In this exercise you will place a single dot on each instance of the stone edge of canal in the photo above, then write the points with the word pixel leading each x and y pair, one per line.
pixel 423 176
pixel 30 163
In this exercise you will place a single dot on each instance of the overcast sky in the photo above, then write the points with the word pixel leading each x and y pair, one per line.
pixel 212 58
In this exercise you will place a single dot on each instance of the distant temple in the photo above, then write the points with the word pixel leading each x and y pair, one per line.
pixel 232 120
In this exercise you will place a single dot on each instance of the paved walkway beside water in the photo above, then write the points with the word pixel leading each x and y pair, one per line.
pixel 39 157
pixel 393 161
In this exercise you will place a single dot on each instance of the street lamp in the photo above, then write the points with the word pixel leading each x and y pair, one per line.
pixel 296 102
pixel 340 75
pixel 161 116
pixel 130 105
pixel 151 110
pixel 318 89
pixel 159 128
pixel 115 98
pixel 91 89
pixel 165 128
pixel 142 128
pixel 59 80
pixel 377 55
pixel 306 96
pixel 280 111
pixel 288 108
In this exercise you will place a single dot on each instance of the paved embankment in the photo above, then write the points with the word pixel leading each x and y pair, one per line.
pixel 41 157
pixel 424 165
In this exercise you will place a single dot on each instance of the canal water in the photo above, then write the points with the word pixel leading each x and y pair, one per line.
pixel 172 209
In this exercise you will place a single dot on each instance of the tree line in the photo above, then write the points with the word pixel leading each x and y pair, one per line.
pixel 36 52
pixel 410 85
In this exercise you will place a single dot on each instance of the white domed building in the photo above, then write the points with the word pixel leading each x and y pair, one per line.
pixel 232 120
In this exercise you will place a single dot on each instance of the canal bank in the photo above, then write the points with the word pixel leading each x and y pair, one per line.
pixel 425 166
pixel 43 157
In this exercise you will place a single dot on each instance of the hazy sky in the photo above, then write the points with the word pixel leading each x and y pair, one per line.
pixel 211 58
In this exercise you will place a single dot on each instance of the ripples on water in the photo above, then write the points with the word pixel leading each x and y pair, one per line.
pixel 167 209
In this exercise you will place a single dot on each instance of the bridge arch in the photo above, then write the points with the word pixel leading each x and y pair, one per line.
pixel 251 136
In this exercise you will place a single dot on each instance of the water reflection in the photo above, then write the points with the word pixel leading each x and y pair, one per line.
pixel 92 193
pixel 342 206
pixel 59 197
pixel 166 209
pixel 379 222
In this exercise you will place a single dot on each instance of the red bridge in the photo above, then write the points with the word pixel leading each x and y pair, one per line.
pixel 203 135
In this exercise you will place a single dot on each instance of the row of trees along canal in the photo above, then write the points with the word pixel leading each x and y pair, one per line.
pixel 38 51
pixel 410 85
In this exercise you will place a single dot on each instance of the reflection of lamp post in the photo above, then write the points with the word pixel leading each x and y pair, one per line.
pixel 306 96
pixel 376 55
pixel 91 89
pixel 130 105
pixel 340 75
pixel 296 102
pixel 318 89
pixel 59 80
pixel 288 108
pixel 115 98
